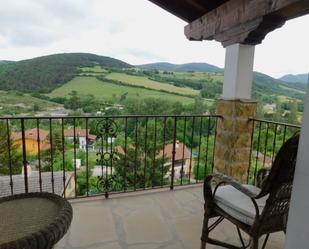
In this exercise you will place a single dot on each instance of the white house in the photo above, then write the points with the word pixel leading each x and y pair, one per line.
pixel 80 135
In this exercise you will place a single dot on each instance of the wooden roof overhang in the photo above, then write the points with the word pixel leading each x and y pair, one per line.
pixel 233 21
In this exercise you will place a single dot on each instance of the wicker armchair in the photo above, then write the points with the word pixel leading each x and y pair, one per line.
pixel 256 211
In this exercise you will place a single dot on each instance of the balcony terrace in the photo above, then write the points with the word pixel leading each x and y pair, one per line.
pixel 147 220
pixel 118 181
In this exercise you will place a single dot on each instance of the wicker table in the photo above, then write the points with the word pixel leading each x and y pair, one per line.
pixel 33 221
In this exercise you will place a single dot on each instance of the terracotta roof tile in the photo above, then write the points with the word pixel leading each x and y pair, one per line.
pixel 182 152
pixel 78 132
pixel 31 134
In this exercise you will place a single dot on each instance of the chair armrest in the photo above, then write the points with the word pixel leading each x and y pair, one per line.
pixel 224 179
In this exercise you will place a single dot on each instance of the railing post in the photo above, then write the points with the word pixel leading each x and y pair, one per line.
pixel 25 163
pixel 251 148
pixel 9 154
pixel 87 159
pixel 173 153
pixel 74 152
pixel 51 154
pixel 63 157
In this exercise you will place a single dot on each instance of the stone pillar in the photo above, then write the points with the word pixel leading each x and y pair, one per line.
pixel 233 141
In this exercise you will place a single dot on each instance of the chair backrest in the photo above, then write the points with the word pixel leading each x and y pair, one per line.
pixel 278 185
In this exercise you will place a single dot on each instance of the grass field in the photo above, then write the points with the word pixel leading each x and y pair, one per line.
pixel 107 91
pixel 195 76
pixel 14 103
pixel 291 89
pixel 144 81
pixel 95 69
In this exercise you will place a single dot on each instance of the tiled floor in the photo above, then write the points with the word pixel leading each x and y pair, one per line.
pixel 165 220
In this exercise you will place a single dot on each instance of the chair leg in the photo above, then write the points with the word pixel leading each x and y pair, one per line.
pixel 255 243
pixel 205 232
pixel 203 245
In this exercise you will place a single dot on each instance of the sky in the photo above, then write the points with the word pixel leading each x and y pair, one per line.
pixel 135 31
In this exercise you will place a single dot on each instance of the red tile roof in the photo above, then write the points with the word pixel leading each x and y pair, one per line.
pixel 182 152
pixel 31 134
pixel 78 133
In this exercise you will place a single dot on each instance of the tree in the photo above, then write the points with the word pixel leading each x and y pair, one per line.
pixel 10 155
pixel 206 158
pixel 123 96
pixel 278 113
pixel 260 109
pixel 139 170
pixel 199 106
pixel 73 102
pixel 292 118
pixel 36 107
pixel 141 166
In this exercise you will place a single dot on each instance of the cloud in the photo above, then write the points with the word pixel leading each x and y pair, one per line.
pixel 40 23
pixel 135 31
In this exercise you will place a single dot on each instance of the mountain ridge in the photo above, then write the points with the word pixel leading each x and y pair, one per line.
pixel 192 66
pixel 295 78
pixel 45 73
pixel 5 62
pixel 204 67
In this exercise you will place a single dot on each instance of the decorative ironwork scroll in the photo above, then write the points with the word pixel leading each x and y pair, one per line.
pixel 106 128
pixel 106 131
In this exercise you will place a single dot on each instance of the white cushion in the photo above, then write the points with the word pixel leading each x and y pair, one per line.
pixel 237 204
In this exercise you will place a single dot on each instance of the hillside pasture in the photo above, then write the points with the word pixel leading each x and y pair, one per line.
pixel 196 76
pixel 144 81
pixel 95 69
pixel 109 91
pixel 17 103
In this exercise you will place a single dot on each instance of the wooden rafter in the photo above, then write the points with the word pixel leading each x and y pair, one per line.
pixel 244 21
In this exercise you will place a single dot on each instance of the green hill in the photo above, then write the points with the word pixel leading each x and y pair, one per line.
pixel 195 66
pixel 293 78
pixel 262 84
pixel 5 62
pixel 49 72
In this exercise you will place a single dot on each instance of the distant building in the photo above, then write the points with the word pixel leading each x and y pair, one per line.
pixel 270 108
pixel 34 185
pixel 31 140
pixel 81 135
pixel 182 158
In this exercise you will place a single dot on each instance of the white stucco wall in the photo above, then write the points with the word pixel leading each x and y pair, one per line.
pixel 298 222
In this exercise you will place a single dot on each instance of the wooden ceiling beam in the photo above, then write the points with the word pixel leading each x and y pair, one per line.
pixel 243 21
pixel 188 10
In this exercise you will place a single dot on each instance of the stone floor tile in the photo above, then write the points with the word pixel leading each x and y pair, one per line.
pixel 146 225
pixel 162 220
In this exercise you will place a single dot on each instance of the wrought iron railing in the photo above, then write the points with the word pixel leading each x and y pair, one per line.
pixel 267 138
pixel 101 155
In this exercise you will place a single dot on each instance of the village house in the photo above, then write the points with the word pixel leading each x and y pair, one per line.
pixel 80 135
pixel 31 140
pixel 182 159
